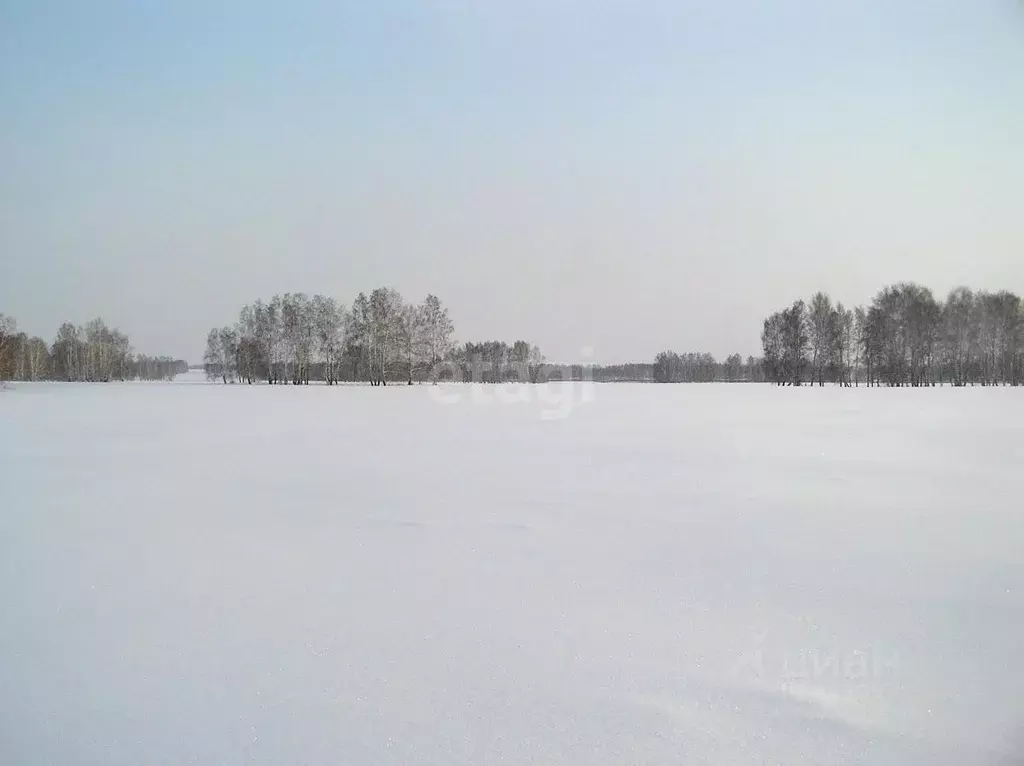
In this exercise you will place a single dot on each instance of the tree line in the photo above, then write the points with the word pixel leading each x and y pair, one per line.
pixel 296 338
pixel 89 353
pixel 905 337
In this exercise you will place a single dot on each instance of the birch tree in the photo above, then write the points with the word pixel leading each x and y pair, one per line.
pixel 329 329
pixel 795 343
pixel 227 338
pixel 267 327
pixel 38 359
pixel 957 334
pixel 820 325
pixel 384 332
pixel 213 358
pixel 357 341
pixel 437 330
pixel 845 344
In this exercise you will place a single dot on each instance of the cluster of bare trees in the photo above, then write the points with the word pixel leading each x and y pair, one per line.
pixel 670 367
pixel 294 338
pixel 93 352
pixel 497 362
pixel 904 338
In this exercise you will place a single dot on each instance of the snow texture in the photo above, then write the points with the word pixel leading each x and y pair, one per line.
pixel 563 574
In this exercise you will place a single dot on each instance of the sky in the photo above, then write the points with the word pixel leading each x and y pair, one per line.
pixel 604 178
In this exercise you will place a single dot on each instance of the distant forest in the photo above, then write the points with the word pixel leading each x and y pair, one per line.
pixel 904 338
pixel 91 353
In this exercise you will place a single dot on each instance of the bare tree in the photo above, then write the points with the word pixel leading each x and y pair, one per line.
pixel 385 331
pixel 357 343
pixel 38 359
pixel 122 349
pixel 267 334
pixel 773 348
pixel 842 323
pixel 214 363
pixel 921 316
pixel 795 343
pixel 821 336
pixel 1007 321
pixel 250 360
pixel 329 321
pixel 228 339
pixel 957 336
pixel 296 336
pixel 437 330
pixel 733 367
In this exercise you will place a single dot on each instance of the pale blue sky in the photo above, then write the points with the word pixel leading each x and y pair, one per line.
pixel 628 176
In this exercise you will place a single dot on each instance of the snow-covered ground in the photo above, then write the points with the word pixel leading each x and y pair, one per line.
pixel 629 574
